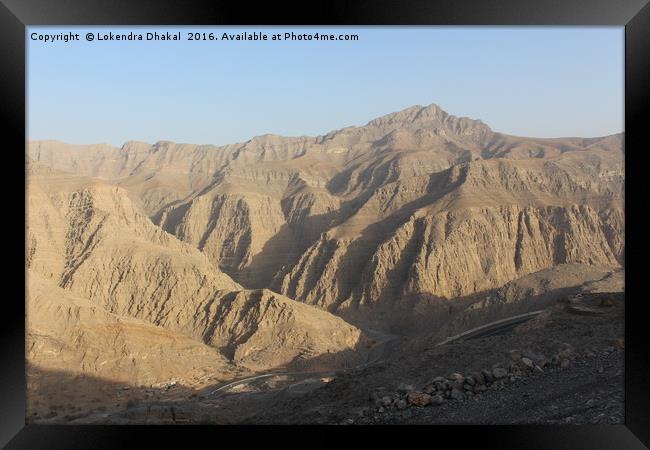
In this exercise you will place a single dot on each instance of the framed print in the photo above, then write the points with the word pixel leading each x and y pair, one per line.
pixel 360 214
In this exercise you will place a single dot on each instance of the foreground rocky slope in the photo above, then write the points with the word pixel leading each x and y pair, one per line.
pixel 380 223
pixel 562 367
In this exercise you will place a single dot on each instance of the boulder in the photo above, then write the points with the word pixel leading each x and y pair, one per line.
pixel 429 389
pixel 515 355
pixel 527 362
pixel 478 377
pixel 456 377
pixel 418 399
pixel 487 375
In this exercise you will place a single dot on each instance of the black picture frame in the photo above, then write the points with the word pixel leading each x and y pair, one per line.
pixel 634 15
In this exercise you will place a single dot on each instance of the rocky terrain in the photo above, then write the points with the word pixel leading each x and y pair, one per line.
pixel 563 367
pixel 88 241
pixel 306 253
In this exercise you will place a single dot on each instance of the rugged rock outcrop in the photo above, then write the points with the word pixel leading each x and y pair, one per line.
pixel 474 227
pixel 88 238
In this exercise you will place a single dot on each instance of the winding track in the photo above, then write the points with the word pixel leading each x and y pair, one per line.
pixel 490 329
pixel 493 328
pixel 380 347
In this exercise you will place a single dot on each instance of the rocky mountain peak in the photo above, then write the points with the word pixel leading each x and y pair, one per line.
pixel 433 117
pixel 409 115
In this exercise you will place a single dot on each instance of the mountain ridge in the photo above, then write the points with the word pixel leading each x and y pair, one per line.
pixel 410 111
pixel 307 216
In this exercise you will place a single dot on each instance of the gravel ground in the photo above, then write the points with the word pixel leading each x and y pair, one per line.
pixel 589 390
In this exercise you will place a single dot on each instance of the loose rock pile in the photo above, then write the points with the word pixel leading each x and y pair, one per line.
pixel 457 387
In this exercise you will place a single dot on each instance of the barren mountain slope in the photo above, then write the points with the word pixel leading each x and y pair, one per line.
pixel 471 228
pixel 87 237
pixel 379 221
pixel 68 333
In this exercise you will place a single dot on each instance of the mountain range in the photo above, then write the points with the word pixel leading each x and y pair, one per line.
pixel 292 251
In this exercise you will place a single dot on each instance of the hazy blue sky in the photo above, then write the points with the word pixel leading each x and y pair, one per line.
pixel 543 82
